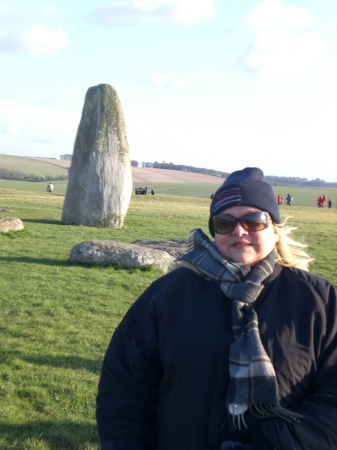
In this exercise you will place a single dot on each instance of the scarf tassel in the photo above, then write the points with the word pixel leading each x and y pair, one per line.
pixel 234 421
pixel 190 241
pixel 276 411
pixel 261 412
pixel 237 420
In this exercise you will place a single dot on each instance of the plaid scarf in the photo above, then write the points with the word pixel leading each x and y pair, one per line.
pixel 253 382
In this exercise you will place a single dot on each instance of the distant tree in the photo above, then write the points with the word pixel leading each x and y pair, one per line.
pixel 171 166
pixel 134 163
pixel 6 174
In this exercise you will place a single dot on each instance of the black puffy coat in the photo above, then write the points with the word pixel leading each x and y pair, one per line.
pixel 165 373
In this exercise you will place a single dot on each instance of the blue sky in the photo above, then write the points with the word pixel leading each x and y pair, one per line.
pixel 221 84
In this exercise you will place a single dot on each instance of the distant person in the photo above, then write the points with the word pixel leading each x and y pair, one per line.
pixel 324 199
pixel 152 192
pixel 50 188
pixel 321 201
pixel 329 203
pixel 289 199
pixel 212 195
pixel 279 199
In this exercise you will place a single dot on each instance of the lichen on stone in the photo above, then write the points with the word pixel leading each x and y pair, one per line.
pixel 111 120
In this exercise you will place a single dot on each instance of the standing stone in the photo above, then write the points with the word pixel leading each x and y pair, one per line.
pixel 100 177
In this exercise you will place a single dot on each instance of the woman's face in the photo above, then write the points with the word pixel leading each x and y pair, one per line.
pixel 242 246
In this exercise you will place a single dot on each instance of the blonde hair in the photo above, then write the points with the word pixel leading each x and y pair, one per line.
pixel 290 253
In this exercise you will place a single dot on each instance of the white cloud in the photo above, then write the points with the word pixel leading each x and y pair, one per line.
pixel 272 14
pixel 149 5
pixel 39 116
pixel 10 128
pixel 165 80
pixel 278 55
pixel 47 138
pixel 6 11
pixel 180 82
pixel 332 21
pixel 159 80
pixel 282 47
pixel 140 11
pixel 38 40
pixel 49 10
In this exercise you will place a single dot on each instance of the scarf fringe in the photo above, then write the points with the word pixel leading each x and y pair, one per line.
pixel 276 411
pixel 260 412
pixel 190 243
pixel 235 422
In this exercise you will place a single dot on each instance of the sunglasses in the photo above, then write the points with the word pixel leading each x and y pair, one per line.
pixel 254 221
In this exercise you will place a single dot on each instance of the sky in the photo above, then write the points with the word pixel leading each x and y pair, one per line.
pixel 221 84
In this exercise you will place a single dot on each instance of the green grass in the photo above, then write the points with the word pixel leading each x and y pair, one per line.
pixel 60 187
pixel 302 196
pixel 57 318
pixel 305 196
pixel 30 166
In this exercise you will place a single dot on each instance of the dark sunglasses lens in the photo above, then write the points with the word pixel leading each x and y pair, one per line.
pixel 223 225
pixel 255 221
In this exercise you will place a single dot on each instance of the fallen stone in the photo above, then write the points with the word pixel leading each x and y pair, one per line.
pixel 10 224
pixel 100 178
pixel 174 248
pixel 122 254
pixel 6 210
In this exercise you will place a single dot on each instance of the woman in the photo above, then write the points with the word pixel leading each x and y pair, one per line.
pixel 237 349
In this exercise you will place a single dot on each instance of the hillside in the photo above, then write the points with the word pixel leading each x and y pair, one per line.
pixel 28 166
pixel 147 175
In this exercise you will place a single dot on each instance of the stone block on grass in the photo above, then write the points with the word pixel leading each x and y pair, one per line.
pixel 122 254
pixel 10 224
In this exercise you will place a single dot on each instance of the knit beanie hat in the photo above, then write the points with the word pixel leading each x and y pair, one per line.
pixel 244 188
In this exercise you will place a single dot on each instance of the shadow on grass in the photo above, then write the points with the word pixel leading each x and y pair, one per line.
pixel 56 434
pixel 45 221
pixel 67 262
pixel 44 261
pixel 66 362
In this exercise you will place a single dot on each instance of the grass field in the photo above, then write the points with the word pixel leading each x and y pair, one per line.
pixel 31 166
pixel 302 196
pixel 57 318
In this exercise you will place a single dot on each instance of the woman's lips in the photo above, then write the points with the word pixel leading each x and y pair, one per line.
pixel 240 244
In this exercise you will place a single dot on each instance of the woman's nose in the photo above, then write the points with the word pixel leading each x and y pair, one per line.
pixel 239 230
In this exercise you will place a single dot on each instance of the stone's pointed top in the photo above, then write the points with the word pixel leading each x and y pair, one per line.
pixel 103 109
pixel 102 86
